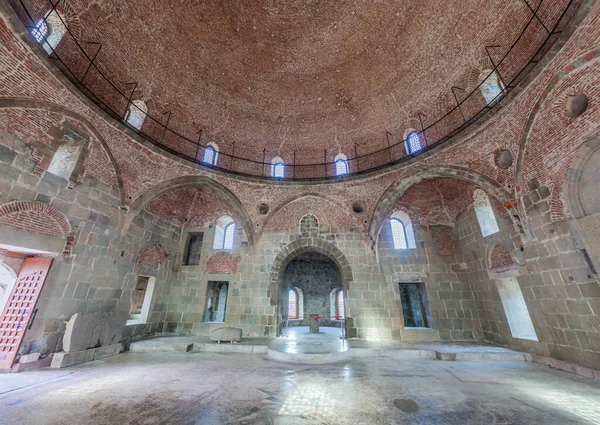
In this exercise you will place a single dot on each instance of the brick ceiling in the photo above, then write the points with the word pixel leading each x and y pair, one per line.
pixel 296 75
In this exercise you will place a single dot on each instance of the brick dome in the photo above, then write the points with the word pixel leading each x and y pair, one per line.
pixel 303 81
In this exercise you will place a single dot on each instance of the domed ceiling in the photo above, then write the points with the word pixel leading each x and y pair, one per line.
pixel 303 76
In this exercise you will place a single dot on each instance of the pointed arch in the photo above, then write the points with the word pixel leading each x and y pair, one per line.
pixel 390 197
pixel 56 109
pixel 222 192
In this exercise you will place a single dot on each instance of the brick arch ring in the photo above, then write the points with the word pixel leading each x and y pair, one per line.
pixel 301 246
pixel 567 71
pixel 394 192
pixel 60 110
pixel 25 214
pixel 224 195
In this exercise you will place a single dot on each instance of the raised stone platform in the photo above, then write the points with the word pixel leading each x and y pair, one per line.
pixel 301 346
pixel 328 348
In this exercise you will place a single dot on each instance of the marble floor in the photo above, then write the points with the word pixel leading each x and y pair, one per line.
pixel 230 388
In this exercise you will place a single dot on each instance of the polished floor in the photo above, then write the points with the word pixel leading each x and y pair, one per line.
pixel 223 388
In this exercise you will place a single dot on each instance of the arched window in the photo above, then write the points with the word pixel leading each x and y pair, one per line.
pixel 340 305
pixel 341 165
pixel 136 114
pixel 277 167
pixel 413 142
pixel 211 151
pixel 224 233
pixel 398 234
pixel 485 213
pixel 293 304
pixel 491 86
pixel 402 231
pixel 49 31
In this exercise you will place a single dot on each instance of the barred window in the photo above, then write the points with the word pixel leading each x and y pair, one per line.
pixel 398 234
pixel 413 142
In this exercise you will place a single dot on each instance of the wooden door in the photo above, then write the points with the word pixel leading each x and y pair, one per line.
pixel 20 305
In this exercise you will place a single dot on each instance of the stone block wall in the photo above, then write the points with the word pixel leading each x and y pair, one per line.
pixel 98 271
pixel 560 290
pixel 449 293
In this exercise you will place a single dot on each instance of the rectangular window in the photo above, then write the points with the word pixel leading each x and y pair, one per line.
pixel 193 249
pixel 414 305
pixel 141 300
pixel 216 302
pixel 515 309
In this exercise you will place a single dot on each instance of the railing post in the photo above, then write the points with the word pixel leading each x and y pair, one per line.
pixel 198 144
pixel 92 61
pixel 356 156
pixel 387 136
pixel 263 161
pixel 129 99
pixel 457 102
pixel 421 116
pixel 165 126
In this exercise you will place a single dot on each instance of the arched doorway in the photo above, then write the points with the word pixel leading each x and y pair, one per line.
pixel 312 285
pixel 309 253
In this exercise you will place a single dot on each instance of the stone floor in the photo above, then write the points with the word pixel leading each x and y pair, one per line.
pixel 228 388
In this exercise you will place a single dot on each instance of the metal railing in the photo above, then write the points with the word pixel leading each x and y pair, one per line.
pixel 81 67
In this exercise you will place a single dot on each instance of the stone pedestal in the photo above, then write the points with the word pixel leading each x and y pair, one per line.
pixel 314 324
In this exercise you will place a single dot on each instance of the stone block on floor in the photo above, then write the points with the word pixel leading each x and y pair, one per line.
pixel 226 334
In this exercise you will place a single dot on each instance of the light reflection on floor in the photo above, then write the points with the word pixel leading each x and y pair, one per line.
pixel 309 400
pixel 584 407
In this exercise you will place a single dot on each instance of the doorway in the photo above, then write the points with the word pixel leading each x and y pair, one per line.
pixel 312 290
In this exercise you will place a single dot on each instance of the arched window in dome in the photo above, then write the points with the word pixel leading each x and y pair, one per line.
pixel 485 213
pixel 40 31
pixel 211 152
pixel 136 114
pixel 224 233
pixel 49 31
pixel 491 86
pixel 341 165
pixel 277 167
pixel 403 234
pixel 413 143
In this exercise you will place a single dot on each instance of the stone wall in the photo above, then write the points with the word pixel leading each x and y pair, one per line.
pixel 561 292
pixel 99 270
pixel 449 293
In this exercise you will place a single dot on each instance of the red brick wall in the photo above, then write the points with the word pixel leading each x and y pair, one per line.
pixel 35 217
pixel 443 241
pixel 500 257
pixel 222 262
pixel 151 255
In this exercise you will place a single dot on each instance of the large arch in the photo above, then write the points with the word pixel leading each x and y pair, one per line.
pixel 395 191
pixel 224 195
pixel 539 106
pixel 572 180
pixel 56 109
pixel 301 246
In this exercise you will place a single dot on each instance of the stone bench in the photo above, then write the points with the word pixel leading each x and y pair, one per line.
pixel 226 334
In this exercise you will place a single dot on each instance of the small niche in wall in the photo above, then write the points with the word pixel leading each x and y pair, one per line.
pixel 415 306
pixel 216 302
pixel 193 249
pixel 141 300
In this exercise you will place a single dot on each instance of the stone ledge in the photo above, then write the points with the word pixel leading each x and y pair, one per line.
pixel 568 367
pixel 60 360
